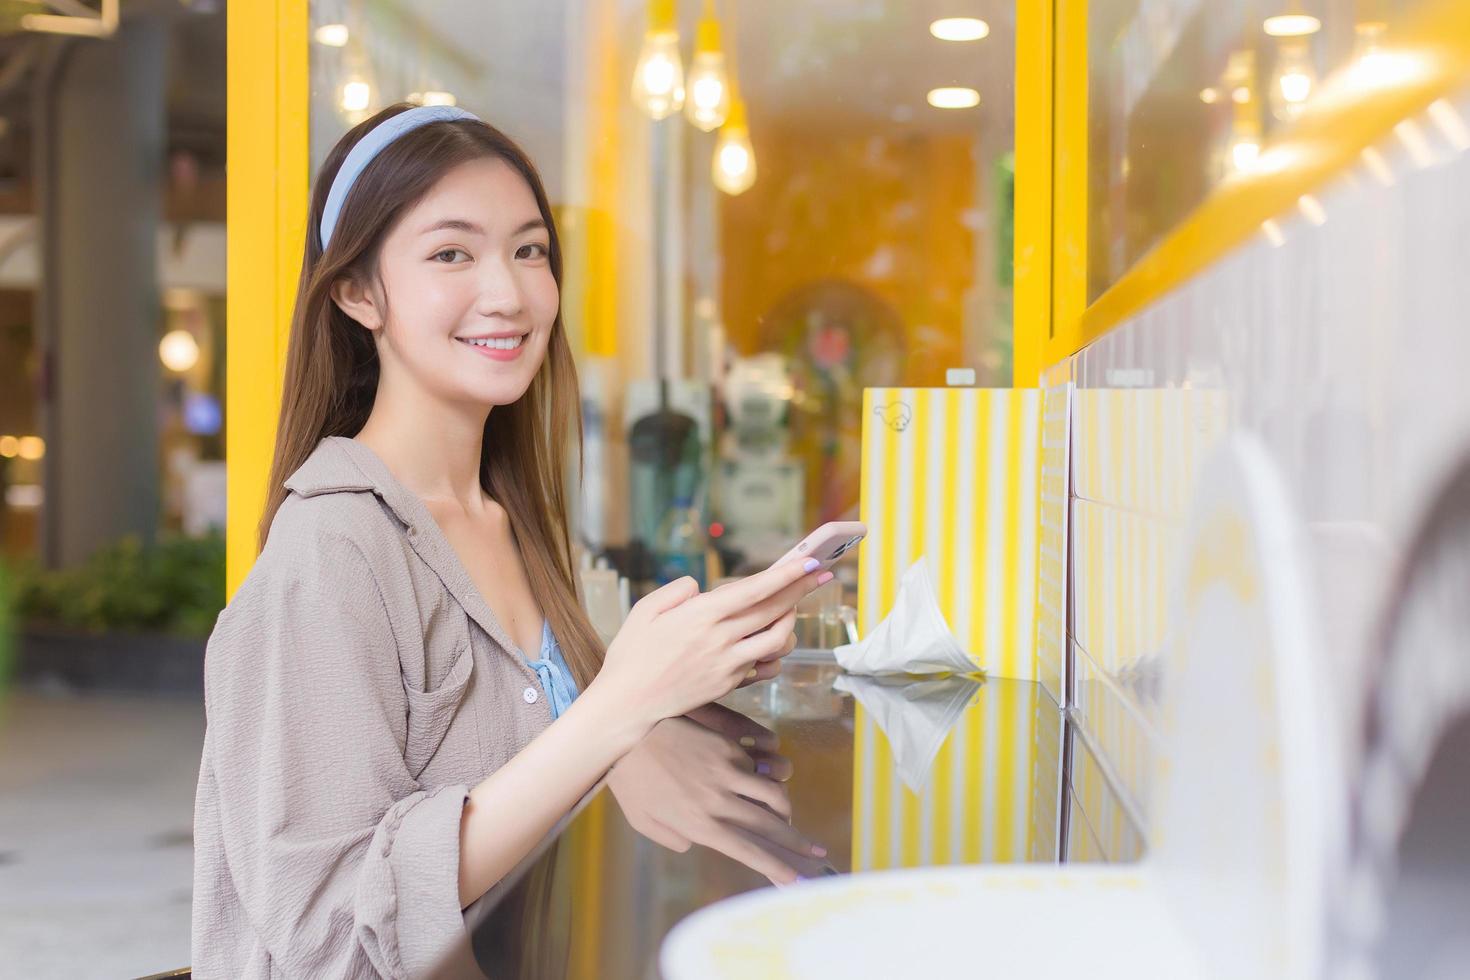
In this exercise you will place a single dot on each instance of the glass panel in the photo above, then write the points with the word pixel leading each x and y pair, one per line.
pixel 872 248
pixel 1182 95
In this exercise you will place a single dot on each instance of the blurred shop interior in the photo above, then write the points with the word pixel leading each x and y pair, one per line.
pixel 800 201
pixel 112 280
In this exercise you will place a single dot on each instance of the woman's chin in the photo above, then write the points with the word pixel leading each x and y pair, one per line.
pixel 500 392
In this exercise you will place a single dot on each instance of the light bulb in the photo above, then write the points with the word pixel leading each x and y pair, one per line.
pixel 178 350
pixel 733 166
pixel 1243 154
pixel 1294 79
pixel 332 35
pixel 433 97
pixel 356 95
pixel 708 101
pixel 1295 86
pixel 30 447
pixel 658 78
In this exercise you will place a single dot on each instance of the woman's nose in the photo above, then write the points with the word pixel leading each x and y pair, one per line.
pixel 500 292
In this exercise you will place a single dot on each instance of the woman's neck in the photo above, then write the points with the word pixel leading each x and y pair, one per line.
pixel 432 449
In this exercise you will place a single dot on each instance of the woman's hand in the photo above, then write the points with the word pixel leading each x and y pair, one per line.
pixel 680 649
pixel 686 783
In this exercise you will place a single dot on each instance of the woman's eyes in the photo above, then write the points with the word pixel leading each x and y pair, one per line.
pixel 533 250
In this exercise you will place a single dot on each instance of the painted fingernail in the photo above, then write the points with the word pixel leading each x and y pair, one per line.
pixel 810 565
pixel 824 578
pixel 819 850
pixel 751 673
pixel 764 768
pixel 747 741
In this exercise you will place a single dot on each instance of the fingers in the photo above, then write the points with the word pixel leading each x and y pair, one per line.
pixel 785 651
pixel 763 791
pixel 777 831
pixel 767 643
pixel 767 610
pixel 753 589
pixel 732 843
pixel 666 597
pixel 736 727
pixel 771 765
pixel 761 670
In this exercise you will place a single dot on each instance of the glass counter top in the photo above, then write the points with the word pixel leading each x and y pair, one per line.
pixel 881 774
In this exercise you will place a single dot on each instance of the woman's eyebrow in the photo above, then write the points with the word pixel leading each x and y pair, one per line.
pixel 454 224
pixel 460 224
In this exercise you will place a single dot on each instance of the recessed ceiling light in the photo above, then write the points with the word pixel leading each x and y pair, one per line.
pixel 1291 25
pixel 332 35
pixel 953 98
pixel 959 29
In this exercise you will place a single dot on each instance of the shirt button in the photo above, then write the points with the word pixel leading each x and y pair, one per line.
pixel 530 695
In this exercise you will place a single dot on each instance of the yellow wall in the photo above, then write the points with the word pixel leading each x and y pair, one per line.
pixel 833 208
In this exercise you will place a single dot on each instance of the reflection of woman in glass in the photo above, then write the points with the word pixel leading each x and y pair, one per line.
pixel 381 691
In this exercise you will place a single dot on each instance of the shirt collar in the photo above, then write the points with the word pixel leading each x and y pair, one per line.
pixel 342 465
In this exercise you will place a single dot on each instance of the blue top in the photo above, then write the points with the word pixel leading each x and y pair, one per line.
pixel 556 676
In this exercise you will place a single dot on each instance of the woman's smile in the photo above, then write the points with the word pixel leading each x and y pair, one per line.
pixel 501 348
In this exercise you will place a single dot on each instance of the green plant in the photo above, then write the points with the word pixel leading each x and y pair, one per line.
pixel 176 586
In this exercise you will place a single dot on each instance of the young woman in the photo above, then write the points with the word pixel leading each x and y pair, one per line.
pixel 381 690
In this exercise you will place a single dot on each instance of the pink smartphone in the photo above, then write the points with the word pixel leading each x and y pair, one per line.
pixel 827 543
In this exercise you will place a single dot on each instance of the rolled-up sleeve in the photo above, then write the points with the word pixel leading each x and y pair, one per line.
pixel 343 863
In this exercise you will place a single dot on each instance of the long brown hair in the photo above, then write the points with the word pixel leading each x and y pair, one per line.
pixel 332 363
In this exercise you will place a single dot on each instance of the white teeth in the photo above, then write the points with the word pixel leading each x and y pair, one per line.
pixel 498 343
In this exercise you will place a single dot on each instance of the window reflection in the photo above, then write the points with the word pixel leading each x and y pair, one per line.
pixel 1184 96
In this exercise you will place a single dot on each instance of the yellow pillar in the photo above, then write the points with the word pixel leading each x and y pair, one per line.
pixel 266 221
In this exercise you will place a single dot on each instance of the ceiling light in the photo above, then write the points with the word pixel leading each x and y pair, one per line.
pixel 953 98
pixel 332 35
pixel 959 29
pixel 1291 25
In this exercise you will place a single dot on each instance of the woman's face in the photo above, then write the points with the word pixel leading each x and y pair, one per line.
pixel 470 298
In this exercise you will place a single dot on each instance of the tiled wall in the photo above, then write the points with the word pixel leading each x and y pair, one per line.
pixel 1344 346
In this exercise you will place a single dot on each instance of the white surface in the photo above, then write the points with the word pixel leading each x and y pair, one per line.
pixel 967 921
pixel 1249 788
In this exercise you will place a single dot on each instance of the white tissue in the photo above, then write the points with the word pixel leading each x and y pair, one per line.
pixel 913 638
pixel 915 715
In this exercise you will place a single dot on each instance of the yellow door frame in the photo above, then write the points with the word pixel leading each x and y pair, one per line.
pixel 266 159
pixel 1031 321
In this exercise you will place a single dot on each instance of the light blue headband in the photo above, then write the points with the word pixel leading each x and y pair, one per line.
pixel 370 146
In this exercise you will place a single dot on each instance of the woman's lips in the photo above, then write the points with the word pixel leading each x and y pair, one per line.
pixel 497 353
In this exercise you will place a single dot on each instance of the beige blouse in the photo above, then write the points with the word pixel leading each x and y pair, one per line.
pixel 356 688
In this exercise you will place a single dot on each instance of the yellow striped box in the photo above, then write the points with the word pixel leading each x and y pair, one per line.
pixel 952 473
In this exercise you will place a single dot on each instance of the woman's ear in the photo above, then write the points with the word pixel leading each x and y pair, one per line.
pixel 355 299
